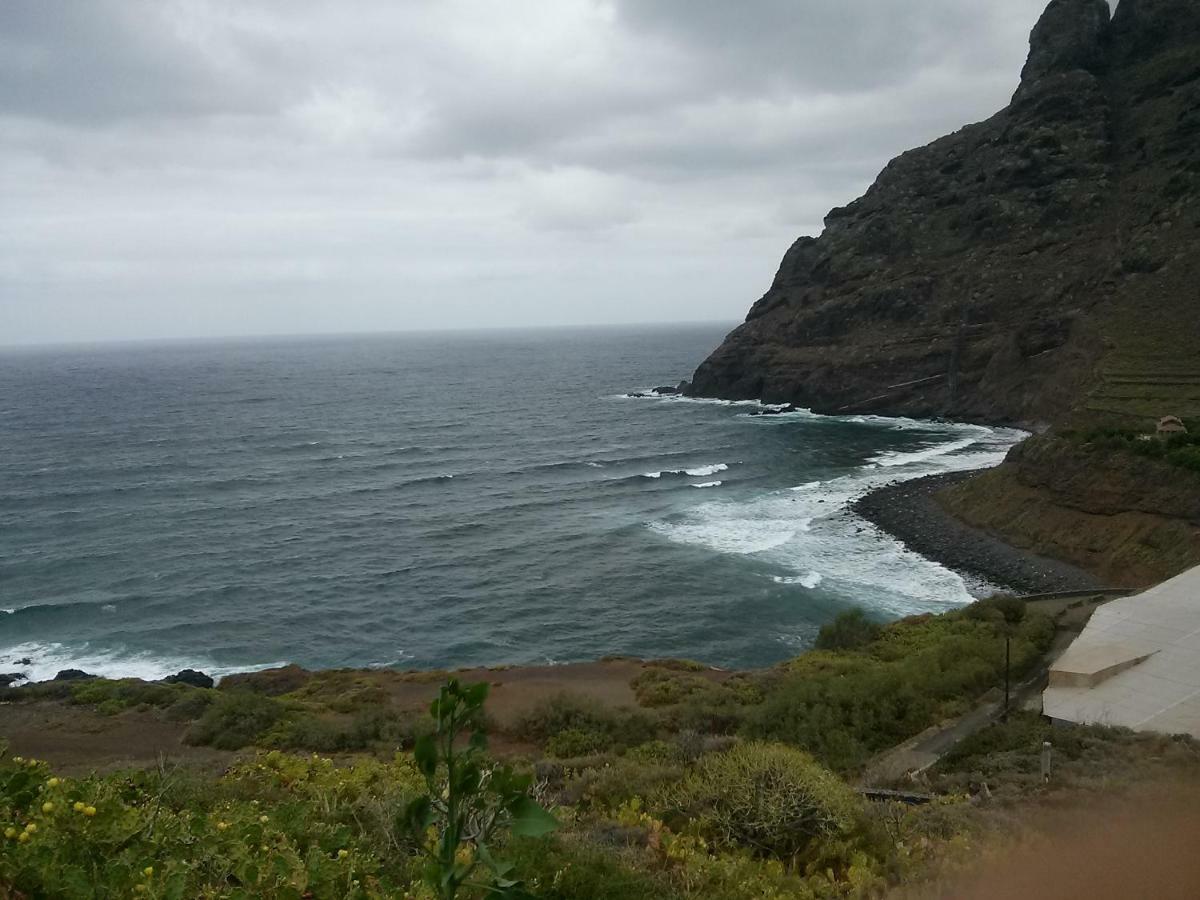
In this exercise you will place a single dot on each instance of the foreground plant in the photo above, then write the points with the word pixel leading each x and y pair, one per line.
pixel 469 803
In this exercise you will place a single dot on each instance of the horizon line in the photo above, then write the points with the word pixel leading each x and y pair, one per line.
pixel 299 335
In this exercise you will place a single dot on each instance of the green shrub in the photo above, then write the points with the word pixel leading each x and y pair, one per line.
pixel 846 707
pixel 606 787
pixel 654 752
pixel 663 687
pixel 235 719
pixel 190 706
pixel 573 742
pixel 768 798
pixel 569 868
pixel 850 630
pixel 112 696
pixel 619 728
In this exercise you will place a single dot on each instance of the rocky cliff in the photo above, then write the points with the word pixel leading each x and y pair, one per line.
pixel 1041 266
pixel 1130 521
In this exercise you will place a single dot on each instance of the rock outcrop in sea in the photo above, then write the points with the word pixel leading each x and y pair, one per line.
pixel 1040 266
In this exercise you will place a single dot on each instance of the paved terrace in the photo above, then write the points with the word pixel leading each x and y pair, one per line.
pixel 1136 664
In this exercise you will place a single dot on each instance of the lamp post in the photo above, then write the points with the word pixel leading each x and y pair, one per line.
pixel 1007 662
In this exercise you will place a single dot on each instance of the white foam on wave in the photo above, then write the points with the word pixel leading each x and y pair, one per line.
pixel 698 472
pixel 709 484
pixel 810 530
pixel 701 471
pixel 649 394
pixel 810 580
pixel 892 458
pixel 47 660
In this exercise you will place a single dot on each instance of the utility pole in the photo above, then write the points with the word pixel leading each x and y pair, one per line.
pixel 1007 661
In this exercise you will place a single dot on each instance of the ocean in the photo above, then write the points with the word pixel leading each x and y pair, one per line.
pixel 435 500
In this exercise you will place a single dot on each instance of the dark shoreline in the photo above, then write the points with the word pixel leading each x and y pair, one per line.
pixel 907 511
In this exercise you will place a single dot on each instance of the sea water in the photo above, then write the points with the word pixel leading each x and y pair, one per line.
pixel 435 500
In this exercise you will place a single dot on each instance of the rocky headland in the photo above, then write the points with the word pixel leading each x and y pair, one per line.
pixel 1040 268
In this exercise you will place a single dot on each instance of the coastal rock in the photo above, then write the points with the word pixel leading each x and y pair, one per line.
pixel 11 678
pixel 73 675
pixel 190 677
pixel 1029 268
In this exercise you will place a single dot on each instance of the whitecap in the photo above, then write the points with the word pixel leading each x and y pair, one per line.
pixel 708 484
pixel 810 580
pixel 48 659
pixel 893 458
pixel 698 472
pixel 809 528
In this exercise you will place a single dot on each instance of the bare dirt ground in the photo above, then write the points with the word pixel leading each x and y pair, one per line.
pixel 1140 846
pixel 75 740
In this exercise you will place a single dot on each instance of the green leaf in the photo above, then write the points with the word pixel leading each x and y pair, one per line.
pixel 529 819
pixel 419 815
pixel 425 755
pixel 478 741
pixel 474 695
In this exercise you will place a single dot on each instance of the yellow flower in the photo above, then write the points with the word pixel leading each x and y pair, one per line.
pixel 32 763
pixel 18 759
pixel 79 806
pixel 221 826
pixel 53 782
pixel 139 889
pixel 342 854
pixel 89 811
pixel 264 819
pixel 23 837
pixel 148 871
pixel 31 827
pixel 10 832
pixel 47 807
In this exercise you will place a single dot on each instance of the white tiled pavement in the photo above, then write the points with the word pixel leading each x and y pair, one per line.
pixel 1160 693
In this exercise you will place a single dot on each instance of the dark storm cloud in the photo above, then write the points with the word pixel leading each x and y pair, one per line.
pixel 208 166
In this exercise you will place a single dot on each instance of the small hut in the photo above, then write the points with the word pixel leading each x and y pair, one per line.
pixel 1168 426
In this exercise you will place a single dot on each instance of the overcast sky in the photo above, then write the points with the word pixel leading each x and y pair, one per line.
pixel 219 167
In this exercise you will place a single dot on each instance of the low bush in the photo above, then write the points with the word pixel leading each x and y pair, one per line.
pixel 767 798
pixel 151 834
pixel 589 721
pixel 235 719
pixel 849 630
pixel 574 742
pixel 605 787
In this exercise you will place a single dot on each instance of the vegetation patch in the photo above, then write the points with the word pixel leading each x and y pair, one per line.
pixel 581 725
pixel 844 707
pixel 1182 450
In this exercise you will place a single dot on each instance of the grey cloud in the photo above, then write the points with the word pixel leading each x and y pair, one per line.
pixel 221 165
pixel 101 60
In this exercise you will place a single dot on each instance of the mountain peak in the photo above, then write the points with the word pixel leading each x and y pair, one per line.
pixel 1070 35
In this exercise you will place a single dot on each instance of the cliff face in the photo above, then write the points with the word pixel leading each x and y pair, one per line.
pixel 1041 266
pixel 1130 521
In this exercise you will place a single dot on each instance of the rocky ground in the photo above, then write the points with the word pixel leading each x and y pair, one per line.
pixel 909 511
